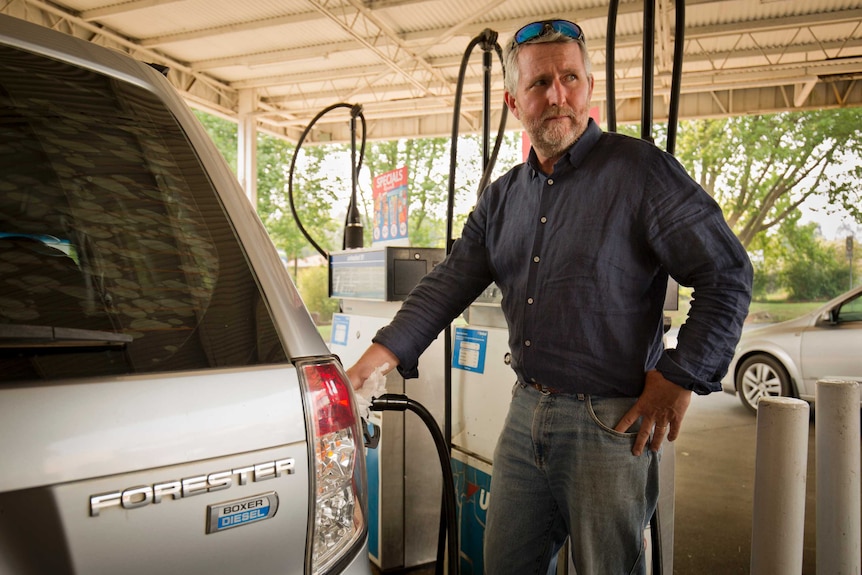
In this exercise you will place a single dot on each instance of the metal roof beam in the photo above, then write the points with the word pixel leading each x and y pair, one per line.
pixel 134 48
pixel 330 50
pixel 698 81
pixel 122 8
pixel 247 26
pixel 692 60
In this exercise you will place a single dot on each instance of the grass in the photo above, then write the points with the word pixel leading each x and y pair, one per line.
pixel 768 311
pixel 774 311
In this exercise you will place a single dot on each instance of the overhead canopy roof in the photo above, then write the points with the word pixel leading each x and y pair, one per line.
pixel 283 61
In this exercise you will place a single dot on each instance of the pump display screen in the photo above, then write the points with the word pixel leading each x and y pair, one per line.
pixel 358 274
pixel 381 274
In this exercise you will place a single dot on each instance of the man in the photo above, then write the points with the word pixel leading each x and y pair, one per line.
pixel 580 239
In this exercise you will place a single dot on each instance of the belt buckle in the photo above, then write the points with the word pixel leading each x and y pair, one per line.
pixel 543 389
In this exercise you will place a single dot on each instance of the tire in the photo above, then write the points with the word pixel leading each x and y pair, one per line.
pixel 760 376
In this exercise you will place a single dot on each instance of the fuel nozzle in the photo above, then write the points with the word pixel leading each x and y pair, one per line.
pixel 353 237
pixel 391 402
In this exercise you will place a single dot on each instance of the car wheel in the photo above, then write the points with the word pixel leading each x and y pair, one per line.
pixel 760 376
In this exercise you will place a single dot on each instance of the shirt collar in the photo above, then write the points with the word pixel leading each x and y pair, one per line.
pixel 576 152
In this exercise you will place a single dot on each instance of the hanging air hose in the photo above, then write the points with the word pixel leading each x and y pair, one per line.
pixel 647 76
pixel 352 224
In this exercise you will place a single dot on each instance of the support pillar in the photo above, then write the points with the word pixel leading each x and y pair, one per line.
pixel 836 438
pixel 780 473
pixel 247 145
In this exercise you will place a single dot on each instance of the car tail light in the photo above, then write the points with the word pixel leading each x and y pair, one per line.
pixel 338 518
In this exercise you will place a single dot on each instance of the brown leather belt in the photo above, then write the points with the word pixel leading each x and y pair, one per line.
pixel 544 388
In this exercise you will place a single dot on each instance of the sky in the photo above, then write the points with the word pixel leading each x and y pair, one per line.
pixel 835 223
pixel 833 226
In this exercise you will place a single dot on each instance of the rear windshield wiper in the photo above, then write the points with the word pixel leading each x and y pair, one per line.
pixel 47 336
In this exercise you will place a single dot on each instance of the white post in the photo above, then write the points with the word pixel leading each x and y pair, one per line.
pixel 246 159
pixel 838 466
pixel 780 470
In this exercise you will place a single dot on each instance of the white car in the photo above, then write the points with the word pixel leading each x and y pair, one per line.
pixel 166 402
pixel 788 358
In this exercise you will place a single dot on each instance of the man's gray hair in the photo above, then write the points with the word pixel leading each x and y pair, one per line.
pixel 510 56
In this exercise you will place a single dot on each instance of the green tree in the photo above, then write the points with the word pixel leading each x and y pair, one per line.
pixel 314 195
pixel 313 285
pixel 813 268
pixel 761 168
pixel 223 133
pixel 322 184
pixel 797 260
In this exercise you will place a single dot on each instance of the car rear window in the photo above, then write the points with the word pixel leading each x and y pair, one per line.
pixel 116 255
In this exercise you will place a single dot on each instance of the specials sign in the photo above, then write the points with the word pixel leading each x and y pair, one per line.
pixel 390 207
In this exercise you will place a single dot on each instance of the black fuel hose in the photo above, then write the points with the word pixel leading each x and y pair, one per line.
pixel 610 64
pixel 355 110
pixel 488 40
pixel 648 78
pixel 398 402
pixel 676 75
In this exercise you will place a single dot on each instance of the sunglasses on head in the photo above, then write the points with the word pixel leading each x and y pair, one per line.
pixel 536 29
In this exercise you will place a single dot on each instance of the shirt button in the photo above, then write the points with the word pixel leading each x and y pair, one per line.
pixel 536 259
pixel 530 300
pixel 528 343
pixel 550 181
pixel 544 220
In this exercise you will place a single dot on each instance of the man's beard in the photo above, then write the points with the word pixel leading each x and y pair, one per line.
pixel 552 140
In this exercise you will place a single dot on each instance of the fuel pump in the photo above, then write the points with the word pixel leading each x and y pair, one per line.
pixel 370 282
pixel 487 40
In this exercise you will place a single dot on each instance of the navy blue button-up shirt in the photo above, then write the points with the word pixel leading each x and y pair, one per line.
pixel 582 259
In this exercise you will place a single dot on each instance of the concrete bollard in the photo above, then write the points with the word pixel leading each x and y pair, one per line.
pixel 836 438
pixel 780 472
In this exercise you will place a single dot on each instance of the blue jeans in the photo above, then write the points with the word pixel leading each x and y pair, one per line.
pixel 561 470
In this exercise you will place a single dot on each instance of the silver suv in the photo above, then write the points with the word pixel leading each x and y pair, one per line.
pixel 166 403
